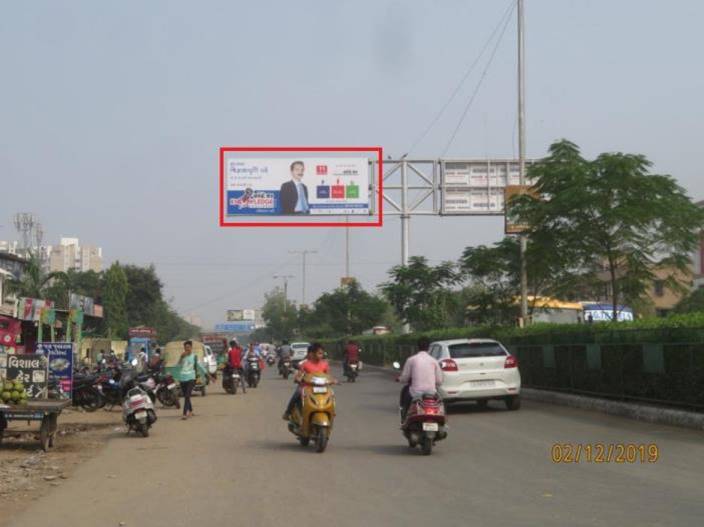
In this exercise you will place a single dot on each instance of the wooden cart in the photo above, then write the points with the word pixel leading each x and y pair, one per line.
pixel 44 410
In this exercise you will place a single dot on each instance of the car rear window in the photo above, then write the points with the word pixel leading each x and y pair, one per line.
pixel 476 349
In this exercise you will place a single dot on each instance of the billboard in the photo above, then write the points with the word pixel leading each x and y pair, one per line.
pixel 237 315
pixel 244 326
pixel 60 355
pixel 477 187
pixel 297 186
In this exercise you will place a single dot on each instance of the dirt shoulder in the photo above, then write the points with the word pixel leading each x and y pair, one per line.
pixel 28 473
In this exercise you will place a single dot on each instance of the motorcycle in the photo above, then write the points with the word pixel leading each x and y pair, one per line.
pixel 85 393
pixel 270 359
pixel 285 368
pixel 314 418
pixel 253 372
pixel 138 411
pixel 352 370
pixel 425 422
pixel 167 391
pixel 230 379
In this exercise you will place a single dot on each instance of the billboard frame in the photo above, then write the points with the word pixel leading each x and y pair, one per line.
pixel 376 190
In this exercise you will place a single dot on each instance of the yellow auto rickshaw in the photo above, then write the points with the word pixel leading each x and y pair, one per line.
pixel 171 354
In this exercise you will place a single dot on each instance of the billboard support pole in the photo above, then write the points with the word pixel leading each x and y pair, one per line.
pixel 405 225
pixel 522 154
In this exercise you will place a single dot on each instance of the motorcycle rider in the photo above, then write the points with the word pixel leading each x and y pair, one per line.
pixel 284 353
pixel 350 355
pixel 421 375
pixel 313 363
pixel 234 360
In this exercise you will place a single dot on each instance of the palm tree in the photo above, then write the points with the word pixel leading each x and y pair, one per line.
pixel 34 281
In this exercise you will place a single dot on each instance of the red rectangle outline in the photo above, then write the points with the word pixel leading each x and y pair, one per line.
pixel 380 185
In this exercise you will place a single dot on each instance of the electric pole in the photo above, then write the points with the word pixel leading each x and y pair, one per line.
pixel 285 278
pixel 303 254
pixel 522 152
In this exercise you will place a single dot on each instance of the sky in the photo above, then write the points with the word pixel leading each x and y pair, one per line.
pixel 113 113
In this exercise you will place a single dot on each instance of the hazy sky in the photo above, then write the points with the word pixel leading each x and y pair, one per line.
pixel 112 114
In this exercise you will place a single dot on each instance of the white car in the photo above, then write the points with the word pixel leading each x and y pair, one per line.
pixel 299 350
pixel 211 361
pixel 477 370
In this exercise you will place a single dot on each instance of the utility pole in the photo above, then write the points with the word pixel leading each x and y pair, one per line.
pixel 522 151
pixel 303 254
pixel 285 278
pixel 347 248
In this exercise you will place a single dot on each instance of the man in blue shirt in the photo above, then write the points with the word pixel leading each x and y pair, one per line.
pixel 294 194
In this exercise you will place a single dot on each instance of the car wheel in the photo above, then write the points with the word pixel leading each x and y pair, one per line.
pixel 513 402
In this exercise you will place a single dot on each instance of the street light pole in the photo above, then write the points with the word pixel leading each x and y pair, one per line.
pixel 522 152
pixel 285 278
pixel 303 254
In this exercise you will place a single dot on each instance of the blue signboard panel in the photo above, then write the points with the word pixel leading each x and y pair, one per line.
pixel 60 355
pixel 244 326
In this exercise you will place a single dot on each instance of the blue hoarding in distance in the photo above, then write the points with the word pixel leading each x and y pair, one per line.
pixel 60 355
pixel 244 326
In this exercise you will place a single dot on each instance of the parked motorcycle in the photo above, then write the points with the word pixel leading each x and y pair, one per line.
pixel 314 418
pixel 85 393
pixel 138 411
pixel 230 379
pixel 253 372
pixel 167 391
pixel 425 422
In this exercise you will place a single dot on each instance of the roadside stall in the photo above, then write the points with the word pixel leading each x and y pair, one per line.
pixel 24 393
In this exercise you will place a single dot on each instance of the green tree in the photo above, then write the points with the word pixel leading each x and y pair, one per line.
pixel 610 220
pixel 346 310
pixel 692 303
pixel 143 295
pixel 34 282
pixel 115 289
pixel 420 293
pixel 280 315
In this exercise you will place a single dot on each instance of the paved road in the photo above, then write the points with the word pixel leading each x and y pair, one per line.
pixel 236 464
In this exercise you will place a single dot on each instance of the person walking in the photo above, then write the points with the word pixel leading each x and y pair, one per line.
pixel 188 370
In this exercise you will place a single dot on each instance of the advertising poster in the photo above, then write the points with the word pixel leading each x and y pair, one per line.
pixel 60 355
pixel 297 186
pixel 31 369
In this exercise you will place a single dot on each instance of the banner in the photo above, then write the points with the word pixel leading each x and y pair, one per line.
pixel 31 308
pixel 235 327
pixel 142 332
pixel 60 355
pixel 297 186
pixel 31 369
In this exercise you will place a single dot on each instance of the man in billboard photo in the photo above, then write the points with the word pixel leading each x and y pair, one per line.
pixel 294 193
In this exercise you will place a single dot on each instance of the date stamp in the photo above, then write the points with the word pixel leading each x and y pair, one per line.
pixel 605 453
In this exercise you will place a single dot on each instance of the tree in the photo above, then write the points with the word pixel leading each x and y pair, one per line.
pixel 143 295
pixel 692 303
pixel 115 290
pixel 346 310
pixel 610 221
pixel 34 281
pixel 420 293
pixel 279 314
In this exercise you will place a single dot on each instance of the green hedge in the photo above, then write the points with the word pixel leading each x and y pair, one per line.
pixel 658 360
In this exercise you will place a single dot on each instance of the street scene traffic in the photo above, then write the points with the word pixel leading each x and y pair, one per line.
pixel 385 263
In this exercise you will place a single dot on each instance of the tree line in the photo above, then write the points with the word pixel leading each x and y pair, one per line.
pixel 600 228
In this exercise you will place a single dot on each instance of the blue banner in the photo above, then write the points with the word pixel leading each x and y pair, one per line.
pixel 60 355
pixel 244 326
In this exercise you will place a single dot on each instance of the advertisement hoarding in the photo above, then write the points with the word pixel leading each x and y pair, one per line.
pixel 60 355
pixel 238 315
pixel 297 186
pixel 235 327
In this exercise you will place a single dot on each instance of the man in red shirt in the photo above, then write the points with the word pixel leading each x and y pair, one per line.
pixel 314 363
pixel 234 359
pixel 350 355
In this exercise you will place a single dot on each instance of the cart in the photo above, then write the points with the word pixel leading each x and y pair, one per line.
pixel 43 410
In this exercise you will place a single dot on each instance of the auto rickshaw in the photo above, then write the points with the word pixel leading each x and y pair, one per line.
pixel 171 353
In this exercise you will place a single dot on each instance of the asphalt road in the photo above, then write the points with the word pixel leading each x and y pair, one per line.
pixel 235 463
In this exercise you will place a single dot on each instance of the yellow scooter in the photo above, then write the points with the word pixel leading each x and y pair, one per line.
pixel 313 420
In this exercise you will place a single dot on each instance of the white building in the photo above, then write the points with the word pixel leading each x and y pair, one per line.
pixel 70 254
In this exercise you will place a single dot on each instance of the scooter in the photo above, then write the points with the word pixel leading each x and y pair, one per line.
pixel 138 411
pixel 285 368
pixel 425 422
pixel 352 371
pixel 253 372
pixel 313 420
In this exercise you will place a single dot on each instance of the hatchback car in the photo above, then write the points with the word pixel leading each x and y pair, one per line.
pixel 299 350
pixel 477 370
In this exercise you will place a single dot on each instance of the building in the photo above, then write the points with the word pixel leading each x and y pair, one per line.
pixel 11 267
pixel 70 254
